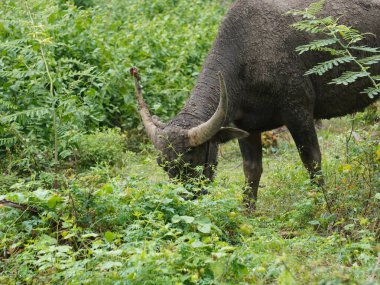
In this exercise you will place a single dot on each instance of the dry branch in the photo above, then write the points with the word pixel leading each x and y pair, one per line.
pixel 22 207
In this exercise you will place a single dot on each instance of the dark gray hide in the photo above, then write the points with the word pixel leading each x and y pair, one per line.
pixel 266 86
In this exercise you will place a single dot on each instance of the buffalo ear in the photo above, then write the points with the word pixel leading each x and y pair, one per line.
pixel 228 133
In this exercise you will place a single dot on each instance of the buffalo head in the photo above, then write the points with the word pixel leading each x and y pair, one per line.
pixel 188 153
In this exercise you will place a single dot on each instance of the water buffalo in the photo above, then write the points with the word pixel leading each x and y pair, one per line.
pixel 254 79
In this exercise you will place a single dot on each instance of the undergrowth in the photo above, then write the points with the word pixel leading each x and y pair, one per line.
pixel 64 65
pixel 123 225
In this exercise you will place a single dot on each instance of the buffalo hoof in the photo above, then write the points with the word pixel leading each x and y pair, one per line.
pixel 250 205
pixel 318 180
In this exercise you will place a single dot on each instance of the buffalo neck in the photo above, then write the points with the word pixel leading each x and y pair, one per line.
pixel 204 98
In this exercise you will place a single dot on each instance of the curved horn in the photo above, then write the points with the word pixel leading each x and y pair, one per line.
pixel 147 120
pixel 205 131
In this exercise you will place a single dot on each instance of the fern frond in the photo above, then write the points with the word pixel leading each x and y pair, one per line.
pixel 365 49
pixel 333 51
pixel 20 73
pixel 316 45
pixel 370 60
pixel 349 77
pixel 14 45
pixel 372 91
pixel 31 113
pixel 311 26
pixel 89 72
pixel 347 33
pixel 8 141
pixel 63 130
pixel 73 60
pixel 14 73
pixel 353 36
pixel 311 11
pixel 315 8
pixel 7 105
pixel 314 26
pixel 341 41
pixel 323 67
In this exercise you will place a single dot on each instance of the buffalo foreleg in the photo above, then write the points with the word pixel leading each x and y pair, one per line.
pixel 251 151
pixel 306 140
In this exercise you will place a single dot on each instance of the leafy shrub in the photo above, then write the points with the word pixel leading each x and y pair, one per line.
pixel 109 228
pixel 64 69
pixel 106 145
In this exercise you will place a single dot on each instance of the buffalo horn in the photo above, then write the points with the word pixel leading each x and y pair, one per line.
pixel 202 133
pixel 147 120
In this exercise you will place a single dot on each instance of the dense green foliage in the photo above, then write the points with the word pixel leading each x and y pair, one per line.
pixel 123 225
pixel 88 210
pixel 64 70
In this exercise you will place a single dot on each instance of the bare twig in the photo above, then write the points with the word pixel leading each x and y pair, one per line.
pixel 75 212
pixel 328 204
pixel 349 137
pixel 22 207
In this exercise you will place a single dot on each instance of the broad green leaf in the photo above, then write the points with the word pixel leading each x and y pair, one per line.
pixel 203 224
pixel 41 194
pixel 52 202
pixel 107 188
pixel 203 220
pixel 45 239
pixel 64 248
pixel 68 236
pixel 197 244
pixel 109 236
pixel 204 228
pixel 110 264
pixel 89 235
pixel 176 219
pixel 187 219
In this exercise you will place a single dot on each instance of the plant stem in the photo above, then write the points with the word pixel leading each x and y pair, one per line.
pixel 51 91
pixel 348 139
pixel 51 85
pixel 324 192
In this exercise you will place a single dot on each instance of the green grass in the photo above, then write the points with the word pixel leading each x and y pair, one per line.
pixel 126 224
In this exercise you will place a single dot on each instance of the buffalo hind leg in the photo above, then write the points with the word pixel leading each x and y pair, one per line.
pixel 306 140
pixel 251 151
